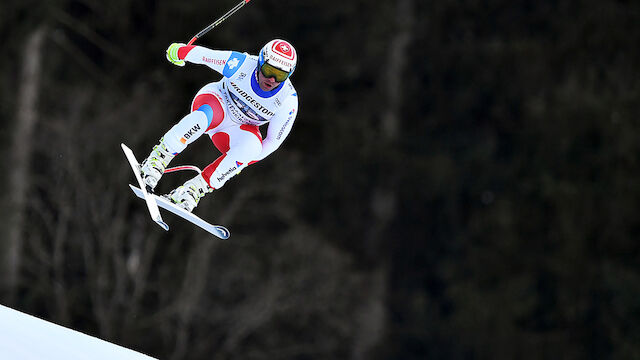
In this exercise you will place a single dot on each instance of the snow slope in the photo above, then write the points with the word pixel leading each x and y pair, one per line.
pixel 24 337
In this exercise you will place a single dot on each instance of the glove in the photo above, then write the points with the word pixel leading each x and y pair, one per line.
pixel 172 54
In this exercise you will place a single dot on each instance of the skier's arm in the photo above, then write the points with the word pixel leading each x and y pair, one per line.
pixel 215 59
pixel 279 126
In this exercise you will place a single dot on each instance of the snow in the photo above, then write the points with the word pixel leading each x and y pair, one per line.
pixel 24 337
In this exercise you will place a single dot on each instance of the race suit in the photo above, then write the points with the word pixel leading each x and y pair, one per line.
pixel 230 112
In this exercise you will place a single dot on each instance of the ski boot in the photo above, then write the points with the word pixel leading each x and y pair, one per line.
pixel 153 166
pixel 188 195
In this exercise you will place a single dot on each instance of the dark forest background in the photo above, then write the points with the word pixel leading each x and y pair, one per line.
pixel 462 181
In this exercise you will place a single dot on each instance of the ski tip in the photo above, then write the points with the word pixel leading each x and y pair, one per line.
pixel 223 233
pixel 163 225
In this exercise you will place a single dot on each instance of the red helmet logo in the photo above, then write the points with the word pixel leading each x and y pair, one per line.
pixel 283 49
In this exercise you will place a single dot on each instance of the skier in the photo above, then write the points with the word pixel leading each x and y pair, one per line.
pixel 254 91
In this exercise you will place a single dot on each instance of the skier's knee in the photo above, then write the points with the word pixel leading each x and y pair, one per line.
pixel 248 152
pixel 208 112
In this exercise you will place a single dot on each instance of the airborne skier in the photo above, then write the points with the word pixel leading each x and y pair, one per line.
pixel 254 91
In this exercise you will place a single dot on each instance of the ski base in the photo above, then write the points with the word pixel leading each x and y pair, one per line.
pixel 154 212
pixel 217 230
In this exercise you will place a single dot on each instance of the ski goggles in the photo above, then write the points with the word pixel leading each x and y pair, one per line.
pixel 271 71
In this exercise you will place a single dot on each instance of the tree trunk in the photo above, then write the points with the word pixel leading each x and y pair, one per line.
pixel 372 315
pixel 26 117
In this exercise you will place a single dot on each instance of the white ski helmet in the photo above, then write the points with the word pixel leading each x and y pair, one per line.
pixel 279 54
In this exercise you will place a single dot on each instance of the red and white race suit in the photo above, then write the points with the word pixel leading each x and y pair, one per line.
pixel 231 110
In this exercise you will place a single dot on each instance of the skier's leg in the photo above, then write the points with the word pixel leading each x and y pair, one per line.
pixel 240 145
pixel 206 112
pixel 243 144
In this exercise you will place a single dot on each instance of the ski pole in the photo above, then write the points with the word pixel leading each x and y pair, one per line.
pixel 219 21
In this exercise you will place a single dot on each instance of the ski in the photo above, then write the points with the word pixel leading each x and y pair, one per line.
pixel 152 206
pixel 217 230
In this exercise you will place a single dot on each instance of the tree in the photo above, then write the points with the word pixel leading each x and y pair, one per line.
pixel 20 177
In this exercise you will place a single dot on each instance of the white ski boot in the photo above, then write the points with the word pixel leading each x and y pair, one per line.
pixel 188 195
pixel 153 166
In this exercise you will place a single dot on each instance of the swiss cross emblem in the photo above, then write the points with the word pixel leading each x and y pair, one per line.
pixel 233 63
pixel 284 49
